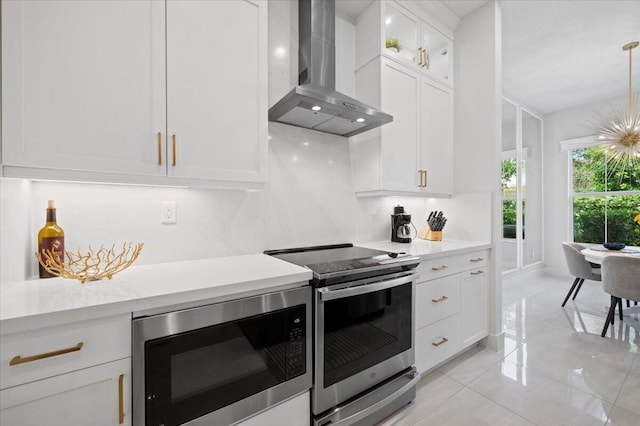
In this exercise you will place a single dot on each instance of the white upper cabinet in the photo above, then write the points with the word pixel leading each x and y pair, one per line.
pixel 96 90
pixel 413 155
pixel 436 137
pixel 83 85
pixel 216 89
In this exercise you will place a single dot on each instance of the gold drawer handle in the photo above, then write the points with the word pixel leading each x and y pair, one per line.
pixel 442 299
pixel 121 399
pixel 20 360
pixel 477 273
pixel 439 268
pixel 444 340
pixel 479 259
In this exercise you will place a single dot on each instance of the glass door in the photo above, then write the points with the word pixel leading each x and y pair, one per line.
pixel 521 172
pixel 531 189
pixel 509 177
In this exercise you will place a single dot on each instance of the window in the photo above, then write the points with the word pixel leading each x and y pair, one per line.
pixel 605 198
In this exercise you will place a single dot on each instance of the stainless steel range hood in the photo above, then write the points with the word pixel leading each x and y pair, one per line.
pixel 314 103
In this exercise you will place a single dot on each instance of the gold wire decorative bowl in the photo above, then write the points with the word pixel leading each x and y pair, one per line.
pixel 91 266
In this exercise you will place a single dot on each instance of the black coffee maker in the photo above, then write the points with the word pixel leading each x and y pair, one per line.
pixel 400 221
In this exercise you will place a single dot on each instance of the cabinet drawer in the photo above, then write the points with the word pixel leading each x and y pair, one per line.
pixel 437 342
pixel 437 299
pixel 435 268
pixel 96 396
pixel 476 259
pixel 46 352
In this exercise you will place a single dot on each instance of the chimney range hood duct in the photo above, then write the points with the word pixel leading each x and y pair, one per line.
pixel 314 103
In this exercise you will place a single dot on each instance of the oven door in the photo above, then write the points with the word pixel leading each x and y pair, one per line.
pixel 220 363
pixel 364 334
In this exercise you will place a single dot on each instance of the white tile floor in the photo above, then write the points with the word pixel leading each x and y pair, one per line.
pixel 555 368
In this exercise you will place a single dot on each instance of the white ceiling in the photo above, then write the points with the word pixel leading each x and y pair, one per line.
pixel 560 54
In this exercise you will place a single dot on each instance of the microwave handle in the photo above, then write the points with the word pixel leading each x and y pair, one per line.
pixel 328 294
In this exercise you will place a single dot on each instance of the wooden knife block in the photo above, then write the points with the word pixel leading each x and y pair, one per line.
pixel 427 234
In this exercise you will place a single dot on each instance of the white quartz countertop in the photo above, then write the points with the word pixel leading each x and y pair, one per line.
pixel 149 289
pixel 36 303
pixel 429 249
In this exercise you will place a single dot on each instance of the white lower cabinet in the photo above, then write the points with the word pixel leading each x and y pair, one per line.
pixel 292 412
pixel 70 374
pixel 437 342
pixel 451 307
pixel 473 307
pixel 97 396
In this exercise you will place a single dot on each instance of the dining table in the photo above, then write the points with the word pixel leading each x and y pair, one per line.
pixel 596 253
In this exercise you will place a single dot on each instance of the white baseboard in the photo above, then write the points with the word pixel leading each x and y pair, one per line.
pixel 493 341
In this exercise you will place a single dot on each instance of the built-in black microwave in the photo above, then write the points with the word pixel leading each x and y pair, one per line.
pixel 223 362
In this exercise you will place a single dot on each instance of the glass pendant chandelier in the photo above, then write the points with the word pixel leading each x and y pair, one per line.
pixel 622 132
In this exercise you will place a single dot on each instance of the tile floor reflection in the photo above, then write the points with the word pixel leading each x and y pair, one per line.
pixel 555 368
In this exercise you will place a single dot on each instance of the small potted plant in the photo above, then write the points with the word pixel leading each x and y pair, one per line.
pixel 393 44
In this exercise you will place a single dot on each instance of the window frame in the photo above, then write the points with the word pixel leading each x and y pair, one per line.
pixel 583 143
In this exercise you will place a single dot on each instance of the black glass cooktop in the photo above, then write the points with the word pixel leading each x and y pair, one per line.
pixel 343 260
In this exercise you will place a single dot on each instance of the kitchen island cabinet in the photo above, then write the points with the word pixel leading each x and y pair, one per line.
pixel 151 92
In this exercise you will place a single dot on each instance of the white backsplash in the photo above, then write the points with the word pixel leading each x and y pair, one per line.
pixel 308 198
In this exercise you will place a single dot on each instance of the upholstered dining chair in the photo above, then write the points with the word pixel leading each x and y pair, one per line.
pixel 579 268
pixel 621 279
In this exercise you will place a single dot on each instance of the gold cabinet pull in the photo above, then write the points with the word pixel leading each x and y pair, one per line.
pixel 21 360
pixel 439 268
pixel 442 299
pixel 173 149
pixel 478 259
pixel 425 60
pixel 443 340
pixel 159 148
pixel 420 56
pixel 423 178
pixel 121 399
pixel 477 272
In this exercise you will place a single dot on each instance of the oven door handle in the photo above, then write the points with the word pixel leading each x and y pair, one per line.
pixel 328 294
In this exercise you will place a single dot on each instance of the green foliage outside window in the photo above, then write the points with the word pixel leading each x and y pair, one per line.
pixel 589 219
pixel 591 173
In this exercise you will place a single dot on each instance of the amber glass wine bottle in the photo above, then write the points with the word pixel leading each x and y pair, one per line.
pixel 50 237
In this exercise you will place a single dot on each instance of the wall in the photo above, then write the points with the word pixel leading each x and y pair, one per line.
pixel 558 126
pixel 308 198
pixel 478 117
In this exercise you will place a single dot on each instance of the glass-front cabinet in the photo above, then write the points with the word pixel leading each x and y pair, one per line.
pixel 400 31
pixel 406 37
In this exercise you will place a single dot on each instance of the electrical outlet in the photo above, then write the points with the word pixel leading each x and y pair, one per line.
pixel 168 212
